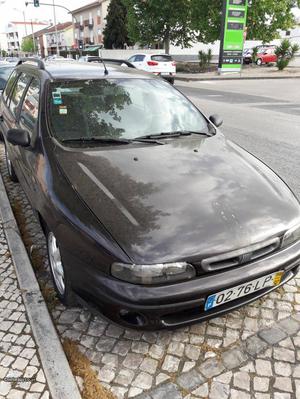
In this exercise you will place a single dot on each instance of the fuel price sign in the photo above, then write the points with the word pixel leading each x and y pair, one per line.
pixel 232 35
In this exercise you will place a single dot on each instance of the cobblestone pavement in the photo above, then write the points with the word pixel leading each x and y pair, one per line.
pixel 18 352
pixel 192 362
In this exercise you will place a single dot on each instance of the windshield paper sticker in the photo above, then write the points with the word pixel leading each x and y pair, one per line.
pixel 63 110
pixel 56 96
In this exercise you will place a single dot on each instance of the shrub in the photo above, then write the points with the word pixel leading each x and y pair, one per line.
pixel 285 52
pixel 205 59
pixel 254 54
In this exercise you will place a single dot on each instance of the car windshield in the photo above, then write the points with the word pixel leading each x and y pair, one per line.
pixel 4 74
pixel 120 109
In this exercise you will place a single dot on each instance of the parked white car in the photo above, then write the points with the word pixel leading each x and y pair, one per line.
pixel 159 64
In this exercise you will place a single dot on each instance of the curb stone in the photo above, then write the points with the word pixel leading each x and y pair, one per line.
pixel 231 359
pixel 193 79
pixel 61 382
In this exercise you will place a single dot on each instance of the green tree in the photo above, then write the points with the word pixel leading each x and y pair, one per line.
pixel 160 21
pixel 285 52
pixel 27 45
pixel 115 32
pixel 265 18
pixel 182 22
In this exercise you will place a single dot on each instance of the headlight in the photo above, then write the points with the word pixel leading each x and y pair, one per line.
pixel 291 236
pixel 153 274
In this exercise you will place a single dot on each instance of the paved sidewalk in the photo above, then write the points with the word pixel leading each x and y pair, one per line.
pixel 248 72
pixel 231 356
pixel 21 373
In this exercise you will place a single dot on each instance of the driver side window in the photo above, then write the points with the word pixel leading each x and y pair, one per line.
pixel 30 107
pixel 17 93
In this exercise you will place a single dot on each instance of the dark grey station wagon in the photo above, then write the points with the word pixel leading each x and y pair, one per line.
pixel 151 215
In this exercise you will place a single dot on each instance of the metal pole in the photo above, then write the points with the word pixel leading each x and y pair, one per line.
pixel 25 22
pixel 32 37
pixel 56 34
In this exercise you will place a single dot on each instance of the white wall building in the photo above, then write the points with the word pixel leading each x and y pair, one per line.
pixel 3 42
pixel 16 30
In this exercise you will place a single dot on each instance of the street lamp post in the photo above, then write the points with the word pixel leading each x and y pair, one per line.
pixel 55 26
pixel 33 40
pixel 54 17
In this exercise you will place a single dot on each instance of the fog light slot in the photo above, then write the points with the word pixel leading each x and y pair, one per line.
pixel 133 318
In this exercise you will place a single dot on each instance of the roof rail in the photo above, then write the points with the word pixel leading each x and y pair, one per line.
pixel 95 58
pixel 119 62
pixel 31 61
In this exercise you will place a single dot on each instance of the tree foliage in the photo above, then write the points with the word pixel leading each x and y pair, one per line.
pixel 27 45
pixel 115 32
pixel 156 21
pixel 265 18
pixel 181 22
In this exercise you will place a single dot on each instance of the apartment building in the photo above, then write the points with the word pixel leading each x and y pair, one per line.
pixel 64 38
pixel 16 30
pixel 89 22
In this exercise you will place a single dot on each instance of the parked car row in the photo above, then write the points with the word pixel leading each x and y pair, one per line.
pixel 5 70
pixel 265 55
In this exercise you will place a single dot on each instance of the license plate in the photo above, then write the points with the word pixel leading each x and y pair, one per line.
pixel 239 291
pixel 165 73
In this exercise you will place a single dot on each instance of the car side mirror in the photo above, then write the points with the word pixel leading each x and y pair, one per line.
pixel 18 137
pixel 216 120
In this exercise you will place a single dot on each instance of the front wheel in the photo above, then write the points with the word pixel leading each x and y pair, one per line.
pixel 59 274
pixel 259 62
pixel 10 169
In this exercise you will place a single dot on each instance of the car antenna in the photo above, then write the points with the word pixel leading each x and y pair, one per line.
pixel 105 69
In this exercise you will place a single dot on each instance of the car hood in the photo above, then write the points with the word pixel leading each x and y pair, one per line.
pixel 189 198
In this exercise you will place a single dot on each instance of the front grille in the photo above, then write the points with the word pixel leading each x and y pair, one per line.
pixel 239 257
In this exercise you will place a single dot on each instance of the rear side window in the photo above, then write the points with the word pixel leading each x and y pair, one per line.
pixel 17 93
pixel 162 58
pixel 9 85
pixel 139 58
pixel 30 107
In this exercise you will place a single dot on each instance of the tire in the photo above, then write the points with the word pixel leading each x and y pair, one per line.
pixel 59 273
pixel 259 62
pixel 10 169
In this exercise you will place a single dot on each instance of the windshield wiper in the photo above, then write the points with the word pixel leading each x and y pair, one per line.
pixel 95 139
pixel 176 133
pixel 147 140
pixel 113 140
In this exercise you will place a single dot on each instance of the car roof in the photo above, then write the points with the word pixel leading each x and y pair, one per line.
pixel 6 65
pixel 169 55
pixel 84 70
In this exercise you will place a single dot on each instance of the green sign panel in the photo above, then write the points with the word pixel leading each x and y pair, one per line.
pixel 233 33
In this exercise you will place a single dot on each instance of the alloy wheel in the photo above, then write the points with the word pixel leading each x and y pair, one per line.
pixel 56 263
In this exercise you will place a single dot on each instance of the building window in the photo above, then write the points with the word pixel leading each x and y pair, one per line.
pixel 90 18
pixel 99 12
pixel 81 20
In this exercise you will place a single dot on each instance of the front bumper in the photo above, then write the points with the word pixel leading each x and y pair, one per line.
pixel 183 303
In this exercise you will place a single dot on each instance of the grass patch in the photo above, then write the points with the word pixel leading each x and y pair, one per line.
pixel 81 366
pixel 49 295
pixel 207 348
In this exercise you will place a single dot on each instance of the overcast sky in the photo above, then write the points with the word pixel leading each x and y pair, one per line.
pixel 40 13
